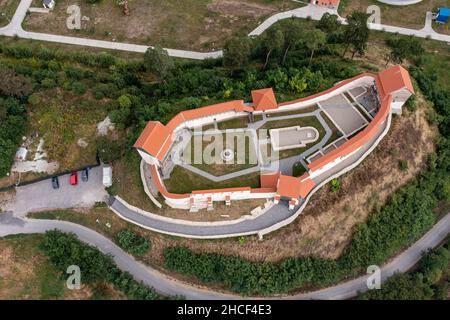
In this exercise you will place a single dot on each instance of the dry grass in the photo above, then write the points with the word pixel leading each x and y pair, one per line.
pixel 61 120
pixel 7 9
pixel 411 16
pixel 26 273
pixel 187 24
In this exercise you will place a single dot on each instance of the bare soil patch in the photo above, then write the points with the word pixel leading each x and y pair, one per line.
pixel 188 24
pixel 411 16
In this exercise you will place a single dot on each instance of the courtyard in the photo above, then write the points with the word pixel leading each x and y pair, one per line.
pixel 235 151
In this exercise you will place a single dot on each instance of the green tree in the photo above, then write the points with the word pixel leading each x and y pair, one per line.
pixel 314 40
pixel 158 62
pixel 329 23
pixel 403 48
pixel 292 31
pixel 356 33
pixel 236 53
pixel 273 41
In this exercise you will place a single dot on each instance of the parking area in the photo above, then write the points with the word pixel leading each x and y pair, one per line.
pixel 41 195
pixel 345 116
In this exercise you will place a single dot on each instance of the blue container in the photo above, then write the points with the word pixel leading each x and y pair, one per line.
pixel 443 14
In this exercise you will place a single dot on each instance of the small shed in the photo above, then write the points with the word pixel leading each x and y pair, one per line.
pixel 443 15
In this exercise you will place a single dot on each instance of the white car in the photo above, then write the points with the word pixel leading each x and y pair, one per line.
pixel 107 176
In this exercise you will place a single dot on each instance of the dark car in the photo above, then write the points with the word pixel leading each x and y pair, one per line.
pixel 55 183
pixel 74 178
pixel 85 175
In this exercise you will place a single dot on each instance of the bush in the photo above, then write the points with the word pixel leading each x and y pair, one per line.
pixel 132 242
pixel 65 249
pixel 12 127
pixel 335 185
pixel 79 88
pixel 109 149
pixel 403 164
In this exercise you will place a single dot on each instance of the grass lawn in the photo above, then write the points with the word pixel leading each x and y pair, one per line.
pixel 187 24
pixel 411 16
pixel 7 9
pixel 28 274
pixel 235 123
pixel 184 181
pixel 241 144
pixel 287 113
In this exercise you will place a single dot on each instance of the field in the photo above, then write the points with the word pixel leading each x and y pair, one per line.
pixel 412 16
pixel 7 9
pixel 188 24
pixel 26 273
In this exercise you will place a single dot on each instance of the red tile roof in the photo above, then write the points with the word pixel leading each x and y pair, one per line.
pixel 269 180
pixel 264 99
pixel 235 105
pixel 155 140
pixel 293 187
pixel 395 78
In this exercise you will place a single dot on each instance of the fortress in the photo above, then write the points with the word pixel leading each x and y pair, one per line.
pixel 360 108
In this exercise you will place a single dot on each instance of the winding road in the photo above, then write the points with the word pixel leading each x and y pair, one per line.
pixel 10 225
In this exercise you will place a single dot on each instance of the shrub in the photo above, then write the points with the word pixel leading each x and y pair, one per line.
pixel 79 88
pixel 335 185
pixel 65 249
pixel 132 242
pixel 403 164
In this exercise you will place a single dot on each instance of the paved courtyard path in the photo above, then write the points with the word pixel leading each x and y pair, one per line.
pixel 14 29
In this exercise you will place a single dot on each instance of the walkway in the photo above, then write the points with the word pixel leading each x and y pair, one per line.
pixel 14 29
pixel 283 165
pixel 169 286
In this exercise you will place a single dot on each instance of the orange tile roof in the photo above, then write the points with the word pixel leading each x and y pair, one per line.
pixel 395 78
pixel 269 180
pixel 264 99
pixel 155 140
pixel 306 185
pixel 239 189
pixel 235 105
pixel 293 187
pixel 288 187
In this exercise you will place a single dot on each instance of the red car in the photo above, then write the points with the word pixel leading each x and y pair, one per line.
pixel 74 178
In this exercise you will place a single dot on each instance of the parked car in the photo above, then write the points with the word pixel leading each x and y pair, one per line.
pixel 55 183
pixel 74 178
pixel 107 176
pixel 85 175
